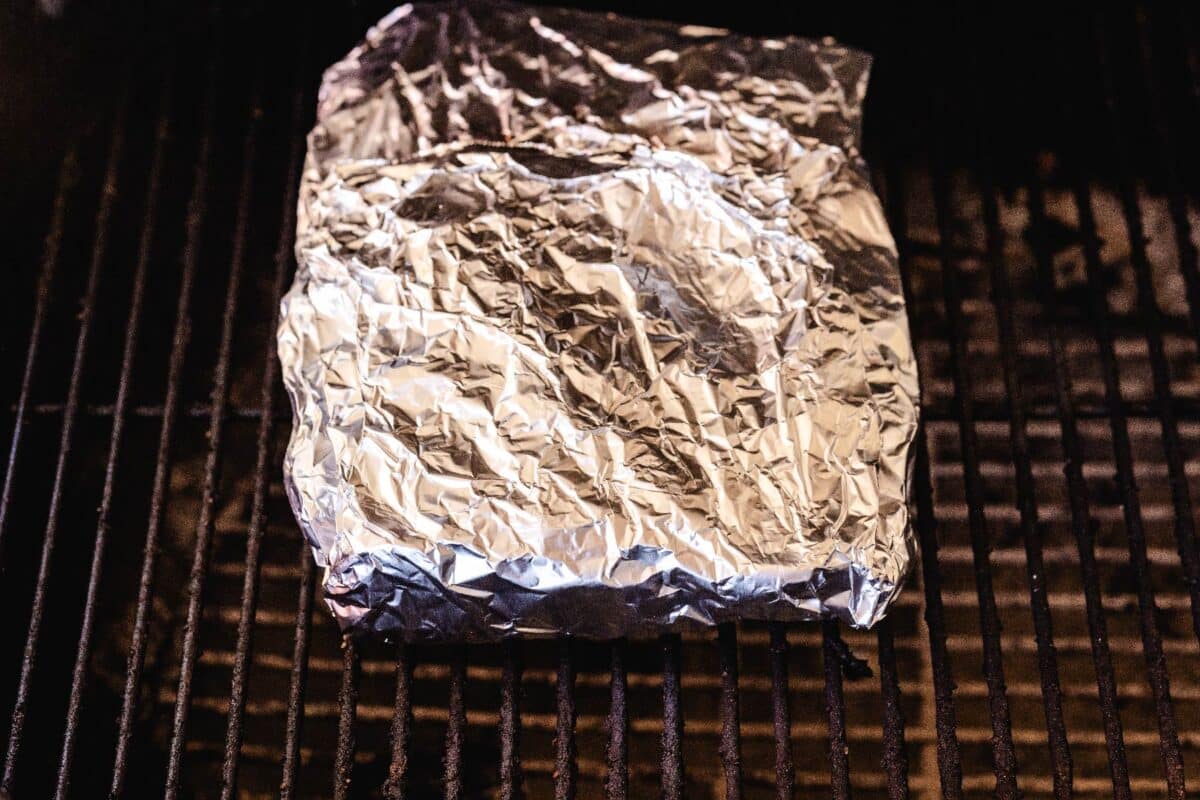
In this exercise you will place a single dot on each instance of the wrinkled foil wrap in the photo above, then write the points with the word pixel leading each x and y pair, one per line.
pixel 597 329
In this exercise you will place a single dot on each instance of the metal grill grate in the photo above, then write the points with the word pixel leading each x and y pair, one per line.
pixel 162 634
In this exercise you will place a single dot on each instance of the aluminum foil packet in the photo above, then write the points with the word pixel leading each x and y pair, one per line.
pixel 597 329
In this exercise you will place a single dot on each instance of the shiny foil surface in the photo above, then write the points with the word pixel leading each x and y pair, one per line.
pixel 596 329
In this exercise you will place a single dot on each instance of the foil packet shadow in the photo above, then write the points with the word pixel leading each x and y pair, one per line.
pixel 596 329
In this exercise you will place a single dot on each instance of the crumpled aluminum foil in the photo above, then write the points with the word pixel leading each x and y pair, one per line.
pixel 597 329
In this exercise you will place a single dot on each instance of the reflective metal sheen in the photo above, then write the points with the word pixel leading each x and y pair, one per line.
pixel 596 329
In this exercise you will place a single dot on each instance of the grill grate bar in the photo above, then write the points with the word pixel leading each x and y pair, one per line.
pixel 67 177
pixel 299 676
pixel 343 760
pixel 672 721
pixel 402 721
pixel 120 406
pixel 835 710
pixel 197 203
pixel 1151 315
pixel 949 758
pixel 895 760
pixel 1003 752
pixel 263 463
pixel 456 727
pixel 565 771
pixel 510 722
pixel 785 771
pixel 1155 660
pixel 212 465
pixel 1106 682
pixel 730 748
pixel 87 317
pixel 1047 660
pixel 1156 665
pixel 616 781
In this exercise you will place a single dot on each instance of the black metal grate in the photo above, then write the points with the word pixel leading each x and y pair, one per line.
pixel 161 631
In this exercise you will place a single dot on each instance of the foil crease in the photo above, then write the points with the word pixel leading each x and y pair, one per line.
pixel 596 329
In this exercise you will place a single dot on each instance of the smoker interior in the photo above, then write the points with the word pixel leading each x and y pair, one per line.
pixel 161 633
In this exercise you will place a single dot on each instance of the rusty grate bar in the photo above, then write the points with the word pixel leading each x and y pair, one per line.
pixel 1022 461
pixel 1003 752
pixel 949 757
pixel 835 711
pixel 566 770
pixel 1156 665
pixel 510 722
pixel 785 770
pixel 132 330
pixel 672 729
pixel 1035 568
pixel 402 721
pixel 68 175
pixel 731 747
pixel 263 463
pixel 212 464
pixel 343 760
pixel 1152 318
pixel 456 727
pixel 87 315
pixel 197 207
pixel 299 675
pixel 1081 529
pixel 895 760
pixel 616 781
